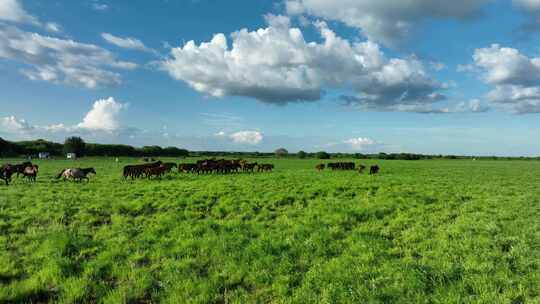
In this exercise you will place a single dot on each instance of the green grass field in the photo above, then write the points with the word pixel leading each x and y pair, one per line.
pixel 420 232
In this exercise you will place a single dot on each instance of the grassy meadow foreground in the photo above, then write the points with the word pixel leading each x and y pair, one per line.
pixel 457 231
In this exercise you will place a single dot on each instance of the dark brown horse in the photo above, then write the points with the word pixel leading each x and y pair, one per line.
pixel 265 167
pixel 374 170
pixel 170 166
pixel 156 171
pixel 187 168
pixel 137 171
pixel 320 167
pixel 19 168
pixel 6 171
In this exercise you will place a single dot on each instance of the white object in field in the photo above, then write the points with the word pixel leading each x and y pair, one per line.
pixel 71 156
pixel 44 155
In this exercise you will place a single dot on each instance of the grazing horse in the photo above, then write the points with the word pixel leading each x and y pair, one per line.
pixel 76 174
pixel 265 167
pixel 250 167
pixel 136 171
pixel 320 167
pixel 170 166
pixel 187 168
pixel 30 173
pixel 156 171
pixel 6 171
pixel 361 169
pixel 374 170
pixel 19 168
pixel 341 166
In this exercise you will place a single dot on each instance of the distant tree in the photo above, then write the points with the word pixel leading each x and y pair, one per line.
pixel 151 151
pixel 281 152
pixel 301 154
pixel 175 152
pixel 75 145
pixel 322 155
pixel 360 156
pixel 7 148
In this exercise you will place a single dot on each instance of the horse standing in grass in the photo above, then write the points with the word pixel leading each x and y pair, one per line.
pixel 137 171
pixel 374 170
pixel 19 168
pixel 320 167
pixel 156 171
pixel 76 174
pixel 170 166
pixel 6 171
pixel 30 173
pixel 265 167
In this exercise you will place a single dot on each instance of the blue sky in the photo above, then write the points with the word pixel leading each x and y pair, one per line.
pixel 460 77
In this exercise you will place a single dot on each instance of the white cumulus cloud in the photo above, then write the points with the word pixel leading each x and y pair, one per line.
pixel 12 124
pixel 277 65
pixel 13 11
pixel 514 76
pixel 59 60
pixel 101 120
pixel 103 115
pixel 359 143
pixel 247 137
pixel 385 21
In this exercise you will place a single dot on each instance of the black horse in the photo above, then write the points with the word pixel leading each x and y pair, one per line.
pixel 6 171
pixel 374 170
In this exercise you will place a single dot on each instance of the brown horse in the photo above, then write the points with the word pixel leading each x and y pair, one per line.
pixel 250 167
pixel 187 168
pixel 6 171
pixel 156 171
pixel 30 173
pixel 136 171
pixel 19 168
pixel 265 167
pixel 170 166
pixel 320 167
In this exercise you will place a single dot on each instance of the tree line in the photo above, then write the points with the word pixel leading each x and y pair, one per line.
pixel 80 148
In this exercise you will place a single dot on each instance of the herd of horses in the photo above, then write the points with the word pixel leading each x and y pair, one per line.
pixel 30 172
pixel 157 169
pixel 348 166
pixel 206 166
